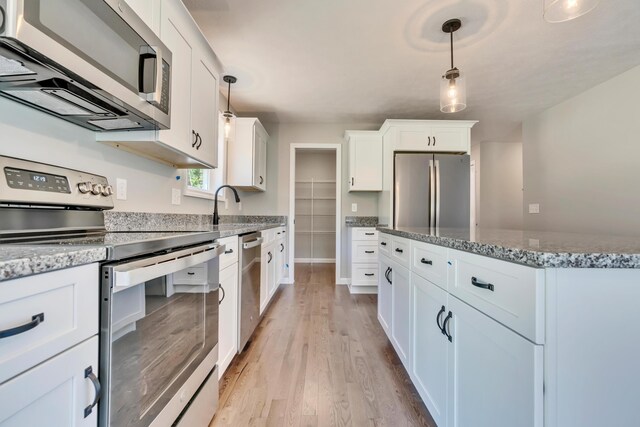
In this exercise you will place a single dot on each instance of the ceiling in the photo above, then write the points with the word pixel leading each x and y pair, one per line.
pixel 369 60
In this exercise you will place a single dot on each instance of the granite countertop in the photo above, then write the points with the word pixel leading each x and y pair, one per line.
pixel 545 249
pixel 361 221
pixel 24 259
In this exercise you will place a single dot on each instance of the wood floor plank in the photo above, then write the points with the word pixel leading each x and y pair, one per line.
pixel 319 358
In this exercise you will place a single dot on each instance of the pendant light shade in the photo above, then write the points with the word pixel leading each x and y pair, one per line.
pixel 565 10
pixel 229 117
pixel 453 91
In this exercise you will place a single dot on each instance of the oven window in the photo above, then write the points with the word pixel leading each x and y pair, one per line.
pixel 160 333
pixel 92 30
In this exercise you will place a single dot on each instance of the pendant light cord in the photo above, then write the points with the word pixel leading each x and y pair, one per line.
pixel 229 95
pixel 451 34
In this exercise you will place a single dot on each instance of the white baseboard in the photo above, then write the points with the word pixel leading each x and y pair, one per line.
pixel 343 281
pixel 369 290
pixel 315 260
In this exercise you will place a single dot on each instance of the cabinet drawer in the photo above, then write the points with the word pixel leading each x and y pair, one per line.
pixel 510 293
pixel 230 255
pixel 65 302
pixel 364 274
pixel 191 276
pixel 280 232
pixel 268 236
pixel 401 251
pixel 364 252
pixel 365 234
pixel 384 244
pixel 430 262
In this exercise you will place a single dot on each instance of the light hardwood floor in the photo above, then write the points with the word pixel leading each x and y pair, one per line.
pixel 319 358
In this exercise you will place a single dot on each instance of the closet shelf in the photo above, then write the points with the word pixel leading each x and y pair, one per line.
pixel 314 232
pixel 316 181
pixel 315 198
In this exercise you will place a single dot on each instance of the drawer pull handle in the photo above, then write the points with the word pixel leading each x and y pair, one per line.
pixel 88 373
pixel 35 321
pixel 426 261
pixel 190 273
pixel 399 250
pixel 224 294
pixel 369 252
pixel 281 247
pixel 475 282
pixel 440 313
pixel 369 234
pixel 445 327
pixel 270 257
pixel 383 243
pixel 230 251
pixel 368 274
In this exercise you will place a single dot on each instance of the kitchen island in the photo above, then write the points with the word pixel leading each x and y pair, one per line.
pixel 509 327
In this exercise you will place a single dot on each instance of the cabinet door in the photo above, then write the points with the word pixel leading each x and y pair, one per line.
pixel 173 33
pixel 204 111
pixel 228 321
pixel 429 361
pixel 260 159
pixel 54 393
pixel 450 139
pixel 264 277
pixel 401 312
pixel 413 138
pixel 272 271
pixel 365 163
pixel 495 375
pixel 149 11
pixel 384 295
pixel 280 253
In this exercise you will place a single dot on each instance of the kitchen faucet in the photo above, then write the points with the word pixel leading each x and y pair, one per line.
pixel 216 217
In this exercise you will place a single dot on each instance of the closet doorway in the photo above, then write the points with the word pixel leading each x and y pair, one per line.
pixel 314 205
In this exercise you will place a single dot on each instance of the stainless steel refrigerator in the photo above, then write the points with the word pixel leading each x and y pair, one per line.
pixel 431 190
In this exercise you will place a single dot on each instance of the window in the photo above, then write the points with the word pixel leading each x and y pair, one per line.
pixel 204 182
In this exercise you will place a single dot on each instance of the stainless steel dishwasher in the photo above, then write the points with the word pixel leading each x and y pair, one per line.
pixel 249 301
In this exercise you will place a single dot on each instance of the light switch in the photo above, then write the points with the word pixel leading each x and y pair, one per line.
pixel 175 196
pixel 534 208
pixel 121 189
pixel 354 207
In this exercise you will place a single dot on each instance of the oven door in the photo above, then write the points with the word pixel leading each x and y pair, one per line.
pixel 158 339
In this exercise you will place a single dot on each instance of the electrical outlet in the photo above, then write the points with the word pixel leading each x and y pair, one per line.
pixel 534 243
pixel 175 196
pixel 121 189
pixel 354 207
pixel 534 208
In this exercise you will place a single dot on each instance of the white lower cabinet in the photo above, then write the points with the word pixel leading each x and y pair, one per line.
pixel 228 318
pixel 384 295
pixel 429 363
pixel 495 375
pixel 401 312
pixel 54 393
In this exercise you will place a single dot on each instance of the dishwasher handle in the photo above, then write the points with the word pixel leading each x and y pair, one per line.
pixel 136 272
pixel 252 243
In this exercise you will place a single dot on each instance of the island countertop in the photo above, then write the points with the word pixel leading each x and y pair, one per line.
pixel 542 249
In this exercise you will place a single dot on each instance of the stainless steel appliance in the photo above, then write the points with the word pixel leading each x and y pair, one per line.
pixel 249 301
pixel 94 63
pixel 431 190
pixel 158 343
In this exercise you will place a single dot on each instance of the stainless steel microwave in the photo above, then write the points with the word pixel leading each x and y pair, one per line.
pixel 94 63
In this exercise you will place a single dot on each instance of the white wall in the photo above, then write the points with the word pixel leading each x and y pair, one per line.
pixel 500 184
pixel 33 135
pixel 581 161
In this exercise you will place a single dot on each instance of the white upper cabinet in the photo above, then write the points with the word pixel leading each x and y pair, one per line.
pixel 453 136
pixel 191 141
pixel 247 155
pixel 365 160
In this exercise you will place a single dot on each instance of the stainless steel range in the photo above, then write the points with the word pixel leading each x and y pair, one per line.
pixel 158 342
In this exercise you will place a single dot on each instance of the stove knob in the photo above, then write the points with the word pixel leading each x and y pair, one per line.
pixel 84 187
pixel 107 190
pixel 96 189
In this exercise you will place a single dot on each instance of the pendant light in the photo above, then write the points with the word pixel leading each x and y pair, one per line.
pixel 228 115
pixel 453 96
pixel 565 10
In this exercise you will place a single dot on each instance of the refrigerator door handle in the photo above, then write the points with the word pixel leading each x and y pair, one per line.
pixel 432 213
pixel 437 173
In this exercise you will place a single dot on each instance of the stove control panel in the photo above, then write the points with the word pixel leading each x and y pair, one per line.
pixel 32 183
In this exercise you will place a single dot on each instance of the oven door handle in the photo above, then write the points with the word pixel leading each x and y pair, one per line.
pixel 136 272
pixel 252 243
